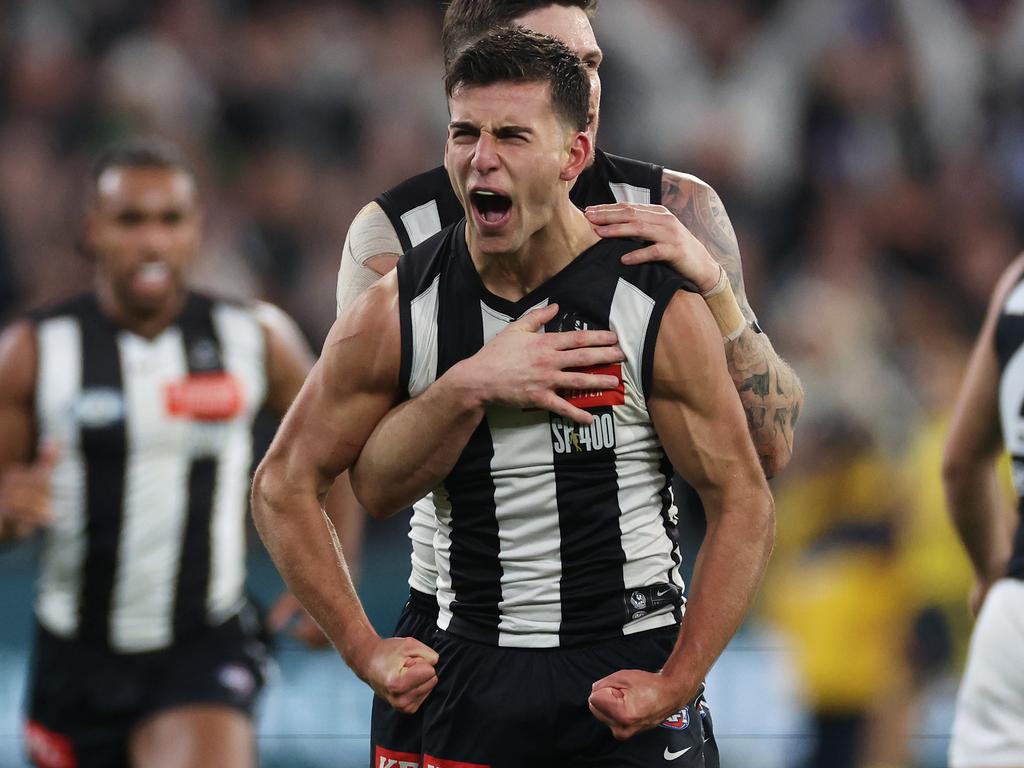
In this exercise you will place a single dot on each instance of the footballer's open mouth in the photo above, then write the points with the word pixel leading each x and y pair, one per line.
pixel 491 208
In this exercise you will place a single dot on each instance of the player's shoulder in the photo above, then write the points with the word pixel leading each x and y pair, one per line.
pixel 613 178
pixel 416 189
pixel 420 265
pixel 651 277
pixel 79 305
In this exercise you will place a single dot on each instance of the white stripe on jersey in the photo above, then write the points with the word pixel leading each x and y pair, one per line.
pixel 644 540
pixel 1014 304
pixel 243 347
pixel 422 223
pixel 422 527
pixel 155 493
pixel 59 381
pixel 1011 397
pixel 629 193
pixel 423 310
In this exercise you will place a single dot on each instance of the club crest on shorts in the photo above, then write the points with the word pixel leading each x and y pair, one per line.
pixel 237 679
pixel 677 722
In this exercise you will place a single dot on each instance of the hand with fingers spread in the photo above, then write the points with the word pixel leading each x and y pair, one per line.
pixel 671 241
pixel 25 494
pixel 400 670
pixel 631 701
pixel 524 368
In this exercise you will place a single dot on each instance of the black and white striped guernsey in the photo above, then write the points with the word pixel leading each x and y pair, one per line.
pixel 548 533
pixel 422 206
pixel 1010 352
pixel 150 489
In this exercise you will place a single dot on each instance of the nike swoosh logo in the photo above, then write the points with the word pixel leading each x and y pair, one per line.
pixel 676 755
pixel 662 593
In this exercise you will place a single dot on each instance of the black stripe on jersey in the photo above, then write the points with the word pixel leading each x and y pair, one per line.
pixel 434 185
pixel 586 489
pixel 1009 337
pixel 586 482
pixel 104 451
pixel 475 545
pixel 204 355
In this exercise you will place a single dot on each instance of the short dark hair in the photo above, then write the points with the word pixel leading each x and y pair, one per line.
pixel 517 55
pixel 141 152
pixel 466 21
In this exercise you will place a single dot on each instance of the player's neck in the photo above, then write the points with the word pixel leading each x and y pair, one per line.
pixel 546 253
pixel 148 325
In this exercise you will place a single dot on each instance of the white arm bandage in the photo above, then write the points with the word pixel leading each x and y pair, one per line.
pixel 371 234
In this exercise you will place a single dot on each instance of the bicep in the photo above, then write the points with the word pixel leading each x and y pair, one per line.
pixel 348 391
pixel 17 385
pixel 693 401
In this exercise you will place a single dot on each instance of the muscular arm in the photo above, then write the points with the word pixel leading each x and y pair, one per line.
pixel 972 449
pixel 24 492
pixel 700 423
pixel 345 395
pixel 769 389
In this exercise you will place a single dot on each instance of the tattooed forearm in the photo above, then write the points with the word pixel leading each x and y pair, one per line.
pixel 769 390
pixel 771 396
pixel 701 211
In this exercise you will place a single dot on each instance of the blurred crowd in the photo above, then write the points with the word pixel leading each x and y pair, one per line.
pixel 870 154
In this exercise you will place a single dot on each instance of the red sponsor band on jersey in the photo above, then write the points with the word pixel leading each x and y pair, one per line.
pixel 435 762
pixel 594 398
pixel 48 749
pixel 387 758
pixel 205 397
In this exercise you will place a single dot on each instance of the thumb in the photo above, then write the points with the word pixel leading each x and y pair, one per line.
pixel 535 319
pixel 47 457
pixel 606 700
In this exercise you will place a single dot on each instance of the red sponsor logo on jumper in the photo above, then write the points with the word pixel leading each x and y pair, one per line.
pixel 205 397
pixel 47 749
pixel 434 762
pixel 386 758
pixel 593 398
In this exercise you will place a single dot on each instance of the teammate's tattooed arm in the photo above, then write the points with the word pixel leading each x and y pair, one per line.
pixel 769 389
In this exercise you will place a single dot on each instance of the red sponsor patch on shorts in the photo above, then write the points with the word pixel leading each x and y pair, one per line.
pixel 435 762
pixel 205 397
pixel 386 758
pixel 598 397
pixel 48 749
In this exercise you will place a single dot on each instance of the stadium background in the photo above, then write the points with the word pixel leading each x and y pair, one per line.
pixel 870 153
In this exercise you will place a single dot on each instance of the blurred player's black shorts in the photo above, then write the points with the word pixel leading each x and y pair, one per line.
pixel 84 701
pixel 513 707
pixel 391 732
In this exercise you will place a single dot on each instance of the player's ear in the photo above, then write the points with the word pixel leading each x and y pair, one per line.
pixel 579 154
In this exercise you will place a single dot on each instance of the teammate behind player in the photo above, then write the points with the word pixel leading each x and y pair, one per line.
pixel 558 566
pixel 988 729
pixel 142 394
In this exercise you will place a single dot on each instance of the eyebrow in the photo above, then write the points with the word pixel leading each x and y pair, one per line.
pixel 501 131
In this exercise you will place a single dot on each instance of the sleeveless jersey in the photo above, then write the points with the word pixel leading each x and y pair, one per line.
pixel 150 490
pixel 548 533
pixel 422 206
